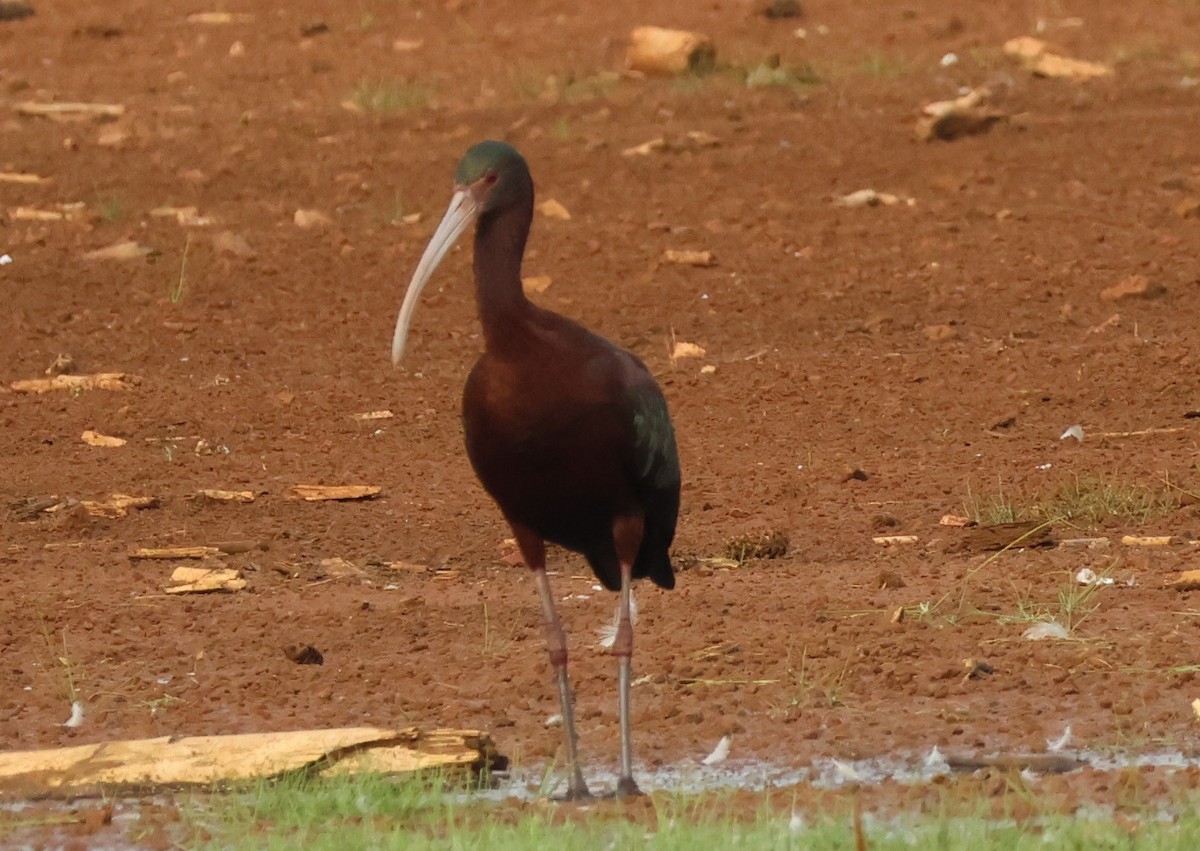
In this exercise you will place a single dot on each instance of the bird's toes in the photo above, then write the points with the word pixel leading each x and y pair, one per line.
pixel 628 788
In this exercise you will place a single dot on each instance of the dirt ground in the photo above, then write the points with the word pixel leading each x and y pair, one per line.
pixel 867 370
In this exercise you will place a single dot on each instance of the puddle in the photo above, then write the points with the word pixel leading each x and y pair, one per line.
pixel 829 773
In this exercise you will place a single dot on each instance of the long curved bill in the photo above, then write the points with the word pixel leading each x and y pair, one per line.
pixel 462 212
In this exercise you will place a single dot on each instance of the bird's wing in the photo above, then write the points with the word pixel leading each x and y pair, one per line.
pixel 655 458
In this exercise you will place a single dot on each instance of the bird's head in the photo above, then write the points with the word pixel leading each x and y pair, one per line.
pixel 491 176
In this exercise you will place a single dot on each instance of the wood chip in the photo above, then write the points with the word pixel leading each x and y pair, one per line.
pixel 535 284
pixel 200 580
pixel 368 416
pixel 118 505
pixel 1035 55
pixel 93 381
pixel 317 493
pixel 174 552
pixel 1150 540
pixel 219 18
pixel 339 568
pixel 310 219
pixel 1085 543
pixel 953 520
pixel 21 177
pixel 554 210
pixel 226 496
pixel 70 111
pixel 126 250
pixel 689 258
pixel 686 350
pixel 95 438
pixel 645 148
pixel 1188 580
pixel 894 540
pixel 186 216
pixel 168 762
pixel 656 50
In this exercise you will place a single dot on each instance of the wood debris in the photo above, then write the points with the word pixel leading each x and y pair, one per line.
pixel 967 115
pixel 768 544
pixel 174 552
pixel 1133 286
pixel 691 140
pixel 63 213
pixel 202 580
pixel 318 493
pixel 656 50
pixel 118 505
pixel 70 111
pixel 954 520
pixel 95 438
pixel 689 258
pixel 93 381
pixel 1037 58
pixel 171 761
pixel 310 219
pixel 1188 580
pixel 871 198
pixel 226 496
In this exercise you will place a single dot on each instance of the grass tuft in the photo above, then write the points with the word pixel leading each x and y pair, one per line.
pixel 389 97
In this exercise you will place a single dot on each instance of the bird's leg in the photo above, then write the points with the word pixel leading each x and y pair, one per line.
pixel 533 550
pixel 627 536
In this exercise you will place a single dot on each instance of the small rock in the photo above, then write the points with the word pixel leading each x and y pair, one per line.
pixel 303 654
pixel 776 9
pixel 890 579
pixel 554 210
pixel 1188 208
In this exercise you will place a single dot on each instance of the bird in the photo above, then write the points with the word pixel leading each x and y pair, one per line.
pixel 568 433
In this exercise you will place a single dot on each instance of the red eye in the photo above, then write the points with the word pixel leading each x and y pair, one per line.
pixel 490 178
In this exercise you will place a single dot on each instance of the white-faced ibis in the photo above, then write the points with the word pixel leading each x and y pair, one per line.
pixel 567 432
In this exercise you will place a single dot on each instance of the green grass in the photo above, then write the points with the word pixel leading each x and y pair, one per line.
pixel 389 97
pixel 1086 502
pixel 377 813
pixel 178 288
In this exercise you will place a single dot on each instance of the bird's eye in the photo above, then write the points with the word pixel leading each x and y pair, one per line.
pixel 490 178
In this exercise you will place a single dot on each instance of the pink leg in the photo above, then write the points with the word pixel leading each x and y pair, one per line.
pixel 627 536
pixel 533 549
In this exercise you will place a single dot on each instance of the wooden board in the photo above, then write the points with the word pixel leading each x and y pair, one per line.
pixel 166 762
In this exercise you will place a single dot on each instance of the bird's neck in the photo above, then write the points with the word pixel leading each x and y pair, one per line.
pixel 499 248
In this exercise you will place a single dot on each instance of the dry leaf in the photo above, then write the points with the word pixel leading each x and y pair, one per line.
pixel 95 438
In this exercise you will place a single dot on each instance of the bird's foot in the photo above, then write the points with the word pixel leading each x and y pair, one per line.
pixel 577 790
pixel 628 788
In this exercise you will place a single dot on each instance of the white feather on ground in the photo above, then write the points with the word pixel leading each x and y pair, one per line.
pixel 76 719
pixel 608 632
pixel 720 752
